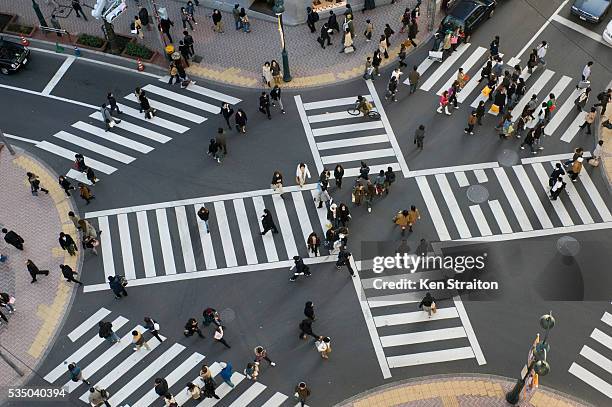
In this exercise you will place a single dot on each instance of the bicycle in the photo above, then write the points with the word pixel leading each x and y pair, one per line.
pixel 354 111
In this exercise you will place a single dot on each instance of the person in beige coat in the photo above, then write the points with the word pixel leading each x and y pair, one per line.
pixel 348 42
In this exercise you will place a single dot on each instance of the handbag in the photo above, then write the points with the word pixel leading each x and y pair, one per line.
pixel 584 84
pixel 494 108
pixel 349 49
pixel 486 90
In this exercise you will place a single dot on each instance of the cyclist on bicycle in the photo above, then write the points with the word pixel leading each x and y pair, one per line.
pixel 363 105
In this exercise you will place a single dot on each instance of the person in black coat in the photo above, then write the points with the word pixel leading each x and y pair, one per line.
pixel 241 120
pixel 309 310
pixel 267 223
pixel 338 174
pixel 557 172
pixel 227 111
pixel 344 260
pixel 324 36
pixel 34 271
pixel 115 284
pixel 69 274
pixel 13 238
pixel 161 386
pixel 332 22
pixel 164 27
pixel 264 104
pixel 311 19
pixel 306 329
pixel 300 269
pixel 67 243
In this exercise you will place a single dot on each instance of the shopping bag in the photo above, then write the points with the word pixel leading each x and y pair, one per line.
pixel 495 108
pixel 435 55
pixel 486 91
pixel 433 308
pixel 584 84
pixel 594 162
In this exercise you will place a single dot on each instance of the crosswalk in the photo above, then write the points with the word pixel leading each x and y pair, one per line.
pixel 135 135
pixel 128 375
pixel 165 242
pixel 594 366
pixel 565 120
pixel 404 335
pixel 518 200
pixel 336 137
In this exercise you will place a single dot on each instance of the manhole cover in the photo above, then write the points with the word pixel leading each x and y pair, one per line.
pixel 508 158
pixel 568 246
pixel 477 194
pixel 227 315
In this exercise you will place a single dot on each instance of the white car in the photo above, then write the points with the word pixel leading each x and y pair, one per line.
pixel 607 34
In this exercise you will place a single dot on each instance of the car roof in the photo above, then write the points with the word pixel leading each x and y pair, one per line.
pixel 464 8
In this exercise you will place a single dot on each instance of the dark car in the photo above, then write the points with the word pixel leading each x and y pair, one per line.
pixel 469 14
pixel 12 56
pixel 590 10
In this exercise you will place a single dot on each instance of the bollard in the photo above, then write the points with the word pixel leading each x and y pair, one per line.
pixel 58 48
pixel 24 40
pixel 77 51
pixel 140 65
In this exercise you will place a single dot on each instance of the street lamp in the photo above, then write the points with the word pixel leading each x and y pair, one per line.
pixel 278 9
pixel 536 360
pixel 39 14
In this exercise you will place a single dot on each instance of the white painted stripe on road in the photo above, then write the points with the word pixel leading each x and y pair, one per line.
pixel 350 142
pixel 58 75
pixel 309 135
pixel 175 111
pixel 603 338
pixel 466 65
pixel 358 156
pixel 422 337
pixel 537 34
pixel 592 380
pixel 577 27
pixel 115 138
pixel 481 221
pixel 285 226
pixel 561 113
pixel 82 352
pixel 535 89
pixel 88 324
pixel 551 158
pixel 206 241
pixel 276 400
pixel 564 216
pixel 348 128
pixel 69 154
pixel 133 128
pixel 351 100
pixel 188 364
pixel 78 176
pixel 462 179
pixel 226 237
pixel 515 203
pixel 395 299
pixel 561 85
pixel 213 94
pixel 223 390
pixel 597 358
pixel 249 395
pixel 532 196
pixel 185 238
pixel 414 317
pixel 444 170
pixel 471 84
pixel 574 127
pixel 184 396
pixel 268 238
pixel 453 206
pixel 97 148
pixel 178 97
pixel 245 232
pixel 321 212
pixel 145 244
pixel 165 241
pixel 129 271
pixel 607 318
pixel 481 176
pixel 107 248
pixel 467 325
pixel 158 121
pixel 33 92
pixel 329 116
pixel 145 374
pixel 576 200
pixel 25 140
pixel 500 216
pixel 596 198
pixel 436 356
pixel 432 207
pixel 374 169
pixel 302 214
pixel 444 66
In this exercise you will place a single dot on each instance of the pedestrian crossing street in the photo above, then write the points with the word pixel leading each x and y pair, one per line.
pixel 135 135
pixel 336 137
pixel 165 242
pixel 594 365
pixel 404 335
pixel 129 375
pixel 542 81
pixel 518 199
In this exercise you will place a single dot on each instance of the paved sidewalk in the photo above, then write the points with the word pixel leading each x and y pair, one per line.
pixel 236 57
pixel 41 306
pixel 456 391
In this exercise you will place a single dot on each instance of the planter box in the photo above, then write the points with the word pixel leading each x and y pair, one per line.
pixel 6 19
pixel 28 32
pixel 153 55
pixel 100 48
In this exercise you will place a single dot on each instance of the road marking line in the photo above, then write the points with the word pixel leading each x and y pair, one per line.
pixel 444 66
pixel 276 400
pixel 562 112
pixel 165 241
pixel 58 75
pixel 444 170
pixel 374 169
pixel 347 128
pixel 500 216
pixel 69 154
pixel 223 390
pixel 453 206
pixel 432 207
pixel 321 212
pixel 535 89
pixel 213 94
pixel 576 200
pixel 133 128
pixel 96 148
pixel 592 380
pixel 78 176
pixel 461 179
pixel 561 85
pixel 423 358
pixel 532 197
pixel 413 317
pixel 593 193
pixel 467 65
pixel 603 338
pixel 185 238
pixel 395 299
pixel 309 135
pixel 607 318
pixel 389 130
pixel 226 237
pixel 467 325
pixel 542 28
pixel 110 136
pixel 175 111
pixel 268 238
pixel 356 141
pixel 206 241
pixel 481 176
pixel 329 116
pixel 180 98
pixel 126 247
pixel 145 244
pixel 184 396
pixel 158 121
pixel 107 248
pixel 432 275
pixel 481 221
pixel 579 28
pixel 564 216
pixel 597 358
pixel 515 203
pixel 285 226
pixel 33 92
pixel 422 337
pixel 573 128
pixel 249 395
pixel 89 323
pixel 472 83
pixel 245 232
pixel 25 140
pixel 302 214
pixel 358 156
pixel 351 100
pixel 551 158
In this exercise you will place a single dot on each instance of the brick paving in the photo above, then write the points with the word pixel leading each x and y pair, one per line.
pixel 457 391
pixel 40 307
pixel 236 57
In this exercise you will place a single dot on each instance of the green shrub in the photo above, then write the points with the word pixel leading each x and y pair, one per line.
pixel 90 41
pixel 139 51
pixel 18 28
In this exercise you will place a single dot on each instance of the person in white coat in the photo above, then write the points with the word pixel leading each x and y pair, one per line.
pixel 301 173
